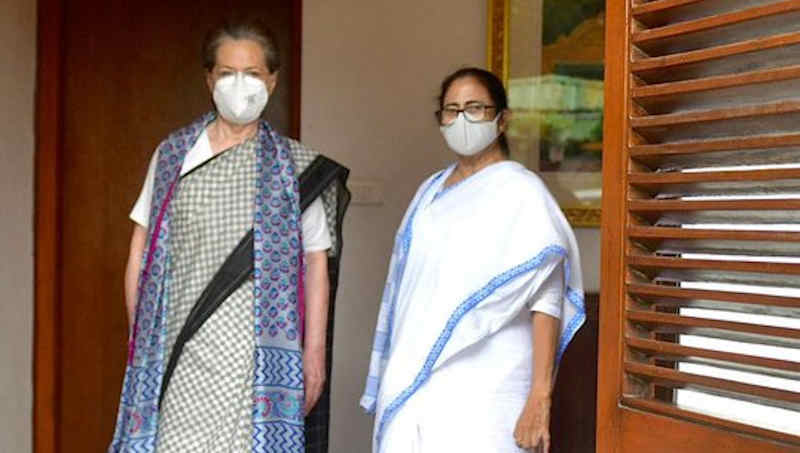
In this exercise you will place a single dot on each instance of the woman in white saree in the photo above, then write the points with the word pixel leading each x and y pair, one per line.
pixel 483 295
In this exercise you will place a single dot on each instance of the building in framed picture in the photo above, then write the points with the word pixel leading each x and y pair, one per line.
pixel 550 54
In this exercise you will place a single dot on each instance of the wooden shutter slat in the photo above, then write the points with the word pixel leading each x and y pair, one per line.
pixel 646 232
pixel 720 114
pixel 651 290
pixel 733 266
pixel 664 349
pixel 659 179
pixel 724 144
pixel 659 5
pixel 705 136
pixel 713 205
pixel 680 379
pixel 674 411
pixel 717 82
pixel 716 21
pixel 687 323
pixel 725 365
pixel 714 53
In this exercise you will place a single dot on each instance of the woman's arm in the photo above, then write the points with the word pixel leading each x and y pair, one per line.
pixel 317 288
pixel 138 240
pixel 533 426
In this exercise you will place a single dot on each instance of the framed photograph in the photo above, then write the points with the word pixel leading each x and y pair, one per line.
pixel 549 54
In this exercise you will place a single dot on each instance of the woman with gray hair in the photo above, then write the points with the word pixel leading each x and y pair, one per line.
pixel 223 260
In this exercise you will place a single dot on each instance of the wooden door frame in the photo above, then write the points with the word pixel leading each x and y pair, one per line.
pixel 47 219
pixel 609 366
pixel 48 168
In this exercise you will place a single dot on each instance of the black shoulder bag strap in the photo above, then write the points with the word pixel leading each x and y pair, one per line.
pixel 239 264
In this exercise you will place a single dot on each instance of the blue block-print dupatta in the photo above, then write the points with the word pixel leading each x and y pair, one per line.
pixel 278 377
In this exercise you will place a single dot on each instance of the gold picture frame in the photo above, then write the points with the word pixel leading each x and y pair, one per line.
pixel 580 47
pixel 497 37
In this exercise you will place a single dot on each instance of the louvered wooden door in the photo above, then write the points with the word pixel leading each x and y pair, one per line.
pixel 700 308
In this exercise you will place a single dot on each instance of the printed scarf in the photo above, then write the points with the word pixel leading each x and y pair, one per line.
pixel 278 377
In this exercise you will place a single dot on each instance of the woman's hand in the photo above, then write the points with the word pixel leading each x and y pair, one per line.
pixel 533 426
pixel 314 375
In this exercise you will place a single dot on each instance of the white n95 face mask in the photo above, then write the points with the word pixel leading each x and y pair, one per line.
pixel 467 138
pixel 240 98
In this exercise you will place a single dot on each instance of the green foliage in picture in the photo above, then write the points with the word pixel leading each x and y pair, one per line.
pixel 562 16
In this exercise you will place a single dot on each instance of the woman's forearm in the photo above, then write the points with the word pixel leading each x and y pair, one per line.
pixel 545 333
pixel 533 426
pixel 317 288
pixel 138 240
pixel 316 324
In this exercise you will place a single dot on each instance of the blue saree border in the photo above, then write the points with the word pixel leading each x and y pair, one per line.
pixel 402 247
pixel 576 299
pixel 405 241
pixel 466 306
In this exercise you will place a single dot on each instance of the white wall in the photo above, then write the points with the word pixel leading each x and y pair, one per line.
pixel 589 245
pixel 18 59
pixel 371 71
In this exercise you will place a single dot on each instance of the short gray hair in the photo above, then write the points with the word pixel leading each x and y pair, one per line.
pixel 253 30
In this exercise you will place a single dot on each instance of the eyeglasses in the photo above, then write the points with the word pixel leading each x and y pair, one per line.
pixel 474 112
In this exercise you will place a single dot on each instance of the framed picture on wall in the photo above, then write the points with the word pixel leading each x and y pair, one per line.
pixel 549 54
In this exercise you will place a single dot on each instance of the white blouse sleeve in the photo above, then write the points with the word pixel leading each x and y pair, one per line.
pixel 141 209
pixel 316 236
pixel 550 295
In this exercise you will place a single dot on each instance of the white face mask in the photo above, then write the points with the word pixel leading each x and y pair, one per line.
pixel 240 98
pixel 467 138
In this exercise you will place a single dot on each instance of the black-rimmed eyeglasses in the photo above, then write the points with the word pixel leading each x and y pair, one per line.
pixel 474 112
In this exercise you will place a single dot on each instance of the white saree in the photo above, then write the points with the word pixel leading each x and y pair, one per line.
pixel 451 363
